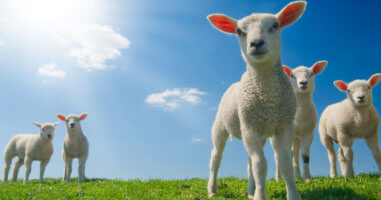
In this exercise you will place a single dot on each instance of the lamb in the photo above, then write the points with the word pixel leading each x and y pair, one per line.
pixel 30 147
pixel 262 104
pixel 353 118
pixel 75 146
pixel 302 81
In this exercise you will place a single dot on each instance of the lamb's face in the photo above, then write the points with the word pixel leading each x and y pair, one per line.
pixel 46 130
pixel 360 93
pixel 259 38
pixel 259 34
pixel 73 121
pixel 302 80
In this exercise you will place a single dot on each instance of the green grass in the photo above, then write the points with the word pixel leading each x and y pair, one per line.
pixel 364 186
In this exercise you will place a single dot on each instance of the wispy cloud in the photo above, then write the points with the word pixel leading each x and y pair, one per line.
pixel 92 45
pixel 196 140
pixel 171 99
pixel 50 70
pixel 1 43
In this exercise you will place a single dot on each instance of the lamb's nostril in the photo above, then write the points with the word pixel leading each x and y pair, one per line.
pixel 361 97
pixel 257 43
pixel 71 125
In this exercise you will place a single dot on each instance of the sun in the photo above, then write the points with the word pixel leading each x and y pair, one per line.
pixel 43 12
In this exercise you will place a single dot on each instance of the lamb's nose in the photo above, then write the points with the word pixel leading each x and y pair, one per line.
pixel 49 136
pixel 304 83
pixel 257 43
pixel 72 125
pixel 361 97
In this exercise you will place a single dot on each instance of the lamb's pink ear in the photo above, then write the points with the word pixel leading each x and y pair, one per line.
pixel 291 13
pixel 61 117
pixel 341 85
pixel 373 81
pixel 83 116
pixel 318 67
pixel 55 124
pixel 223 23
pixel 37 124
pixel 287 70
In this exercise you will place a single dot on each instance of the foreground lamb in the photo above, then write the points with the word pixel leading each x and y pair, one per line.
pixel 353 118
pixel 302 81
pixel 75 145
pixel 262 105
pixel 29 147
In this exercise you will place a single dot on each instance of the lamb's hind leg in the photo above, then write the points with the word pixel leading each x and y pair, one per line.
pixel 372 143
pixel 219 137
pixel 282 143
pixel 16 168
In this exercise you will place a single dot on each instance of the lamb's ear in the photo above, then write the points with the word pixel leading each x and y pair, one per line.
pixel 223 23
pixel 373 81
pixel 341 85
pixel 61 117
pixel 83 116
pixel 55 124
pixel 319 66
pixel 37 124
pixel 287 70
pixel 291 13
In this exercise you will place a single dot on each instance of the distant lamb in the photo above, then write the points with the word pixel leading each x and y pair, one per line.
pixel 302 81
pixel 29 147
pixel 75 145
pixel 353 118
pixel 262 105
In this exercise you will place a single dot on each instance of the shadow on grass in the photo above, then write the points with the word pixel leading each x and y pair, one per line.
pixel 326 194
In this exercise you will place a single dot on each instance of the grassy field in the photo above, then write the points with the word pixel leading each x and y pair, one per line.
pixel 362 187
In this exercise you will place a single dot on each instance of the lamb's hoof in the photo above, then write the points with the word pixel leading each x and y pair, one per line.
pixel 250 196
pixel 211 194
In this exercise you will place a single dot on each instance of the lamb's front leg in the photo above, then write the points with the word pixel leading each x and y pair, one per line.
pixel 81 169
pixel 346 157
pixel 219 137
pixel 254 145
pixel 282 143
pixel 42 170
pixel 295 157
pixel 306 141
pixel 28 166
pixel 68 169
pixel 251 185
pixel 372 142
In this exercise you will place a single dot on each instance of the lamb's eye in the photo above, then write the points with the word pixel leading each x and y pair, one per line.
pixel 369 88
pixel 292 76
pixel 348 91
pixel 274 27
pixel 43 129
pixel 240 32
pixel 311 74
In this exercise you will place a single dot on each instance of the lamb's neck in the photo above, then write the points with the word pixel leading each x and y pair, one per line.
pixel 304 99
pixel 266 70
pixel 360 112
pixel 77 133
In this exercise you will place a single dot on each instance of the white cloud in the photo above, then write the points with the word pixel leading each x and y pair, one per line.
pixel 171 99
pixel 92 44
pixel 50 70
pixel 1 43
pixel 196 140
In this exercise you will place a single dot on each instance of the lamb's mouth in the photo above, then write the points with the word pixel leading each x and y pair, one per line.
pixel 304 87
pixel 258 52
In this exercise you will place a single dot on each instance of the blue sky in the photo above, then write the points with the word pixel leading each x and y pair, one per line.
pixel 151 74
